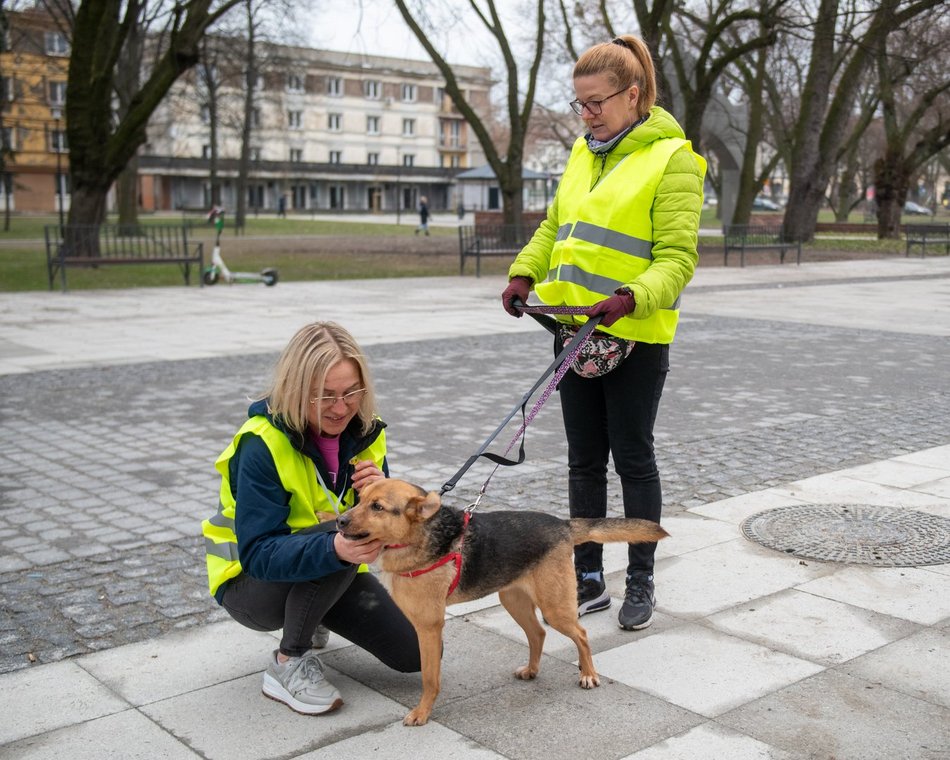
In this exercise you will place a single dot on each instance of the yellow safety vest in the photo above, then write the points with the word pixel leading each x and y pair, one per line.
pixel 309 502
pixel 605 235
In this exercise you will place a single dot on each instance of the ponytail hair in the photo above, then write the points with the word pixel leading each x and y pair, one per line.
pixel 626 61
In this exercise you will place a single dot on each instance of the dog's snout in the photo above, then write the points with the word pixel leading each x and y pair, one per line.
pixel 343 520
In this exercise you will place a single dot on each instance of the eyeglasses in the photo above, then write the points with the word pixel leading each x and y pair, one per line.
pixel 594 107
pixel 350 399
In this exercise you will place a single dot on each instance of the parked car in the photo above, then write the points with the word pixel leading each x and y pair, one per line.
pixel 915 209
pixel 761 203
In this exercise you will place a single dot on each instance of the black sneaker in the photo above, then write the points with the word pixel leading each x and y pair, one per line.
pixel 592 593
pixel 638 602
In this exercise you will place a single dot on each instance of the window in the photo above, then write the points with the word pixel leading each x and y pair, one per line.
pixel 57 93
pixel 409 93
pixel 7 88
pixel 56 44
pixel 7 138
pixel 337 196
pixel 57 141
pixel 61 184
pixel 409 160
pixel 206 151
pixel 294 83
pixel 335 86
pixel 205 114
pixel 335 122
pixel 296 155
pixel 372 89
pixel 336 156
pixel 372 125
pixel 254 152
pixel 372 159
pixel 295 119
pixel 408 127
pixel 255 118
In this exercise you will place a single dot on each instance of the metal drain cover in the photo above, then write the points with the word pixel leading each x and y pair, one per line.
pixel 854 533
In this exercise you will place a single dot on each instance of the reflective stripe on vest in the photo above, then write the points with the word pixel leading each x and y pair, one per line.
pixel 298 476
pixel 605 235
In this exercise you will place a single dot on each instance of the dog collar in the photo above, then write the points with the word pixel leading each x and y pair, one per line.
pixel 455 556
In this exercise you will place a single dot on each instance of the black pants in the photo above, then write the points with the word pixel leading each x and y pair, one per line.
pixel 353 605
pixel 614 415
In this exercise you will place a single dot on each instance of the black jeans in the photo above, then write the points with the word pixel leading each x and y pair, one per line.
pixel 614 415
pixel 353 605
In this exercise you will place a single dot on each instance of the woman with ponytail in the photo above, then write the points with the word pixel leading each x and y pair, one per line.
pixel 620 238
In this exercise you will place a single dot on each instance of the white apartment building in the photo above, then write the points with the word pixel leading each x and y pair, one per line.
pixel 329 131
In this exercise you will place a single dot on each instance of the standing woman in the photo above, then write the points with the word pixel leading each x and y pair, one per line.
pixel 619 237
pixel 275 559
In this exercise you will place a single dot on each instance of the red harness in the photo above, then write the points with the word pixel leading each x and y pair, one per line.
pixel 455 556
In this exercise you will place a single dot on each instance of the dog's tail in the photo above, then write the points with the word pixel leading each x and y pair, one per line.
pixel 605 530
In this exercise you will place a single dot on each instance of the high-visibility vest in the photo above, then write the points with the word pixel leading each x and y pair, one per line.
pixel 605 235
pixel 309 502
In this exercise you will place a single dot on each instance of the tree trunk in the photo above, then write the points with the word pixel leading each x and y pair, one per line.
pixel 891 181
pixel 89 208
pixel 127 198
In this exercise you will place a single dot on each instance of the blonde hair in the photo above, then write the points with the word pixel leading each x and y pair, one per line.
pixel 626 61
pixel 302 368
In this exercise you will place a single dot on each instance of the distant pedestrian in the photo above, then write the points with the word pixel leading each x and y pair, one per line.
pixel 423 216
pixel 282 207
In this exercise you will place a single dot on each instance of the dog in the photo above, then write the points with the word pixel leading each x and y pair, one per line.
pixel 436 555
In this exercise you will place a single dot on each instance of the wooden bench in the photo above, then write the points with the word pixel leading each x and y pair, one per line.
pixel 476 241
pixel 92 246
pixel 743 237
pixel 927 234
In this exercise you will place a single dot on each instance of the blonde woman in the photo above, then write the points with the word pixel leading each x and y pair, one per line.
pixel 275 559
pixel 619 238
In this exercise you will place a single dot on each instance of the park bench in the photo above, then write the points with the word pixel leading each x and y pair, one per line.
pixel 927 234
pixel 93 246
pixel 476 241
pixel 744 237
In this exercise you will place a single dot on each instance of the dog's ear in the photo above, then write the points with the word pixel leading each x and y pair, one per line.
pixel 423 507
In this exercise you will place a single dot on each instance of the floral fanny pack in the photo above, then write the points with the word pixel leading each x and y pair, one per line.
pixel 600 354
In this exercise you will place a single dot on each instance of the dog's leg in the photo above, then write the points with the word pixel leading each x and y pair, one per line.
pixel 556 589
pixel 522 609
pixel 430 650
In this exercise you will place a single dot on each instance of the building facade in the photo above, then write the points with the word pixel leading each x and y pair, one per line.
pixel 34 61
pixel 327 131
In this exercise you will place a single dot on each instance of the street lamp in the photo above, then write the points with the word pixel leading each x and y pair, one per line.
pixel 57 117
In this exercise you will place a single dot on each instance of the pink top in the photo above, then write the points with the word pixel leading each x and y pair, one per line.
pixel 330 450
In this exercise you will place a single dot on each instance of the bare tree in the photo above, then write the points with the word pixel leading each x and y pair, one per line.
pixel 101 142
pixel 508 168
pixel 914 86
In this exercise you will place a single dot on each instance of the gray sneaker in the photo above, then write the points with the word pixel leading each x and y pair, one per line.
pixel 321 637
pixel 300 684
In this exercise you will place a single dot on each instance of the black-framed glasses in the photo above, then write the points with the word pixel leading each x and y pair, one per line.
pixel 594 107
pixel 350 399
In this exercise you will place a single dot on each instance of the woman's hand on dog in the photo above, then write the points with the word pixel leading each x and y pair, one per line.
pixel 365 472
pixel 356 552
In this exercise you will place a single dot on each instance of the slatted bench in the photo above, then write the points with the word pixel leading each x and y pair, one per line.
pixel 744 237
pixel 927 235
pixel 92 246
pixel 477 241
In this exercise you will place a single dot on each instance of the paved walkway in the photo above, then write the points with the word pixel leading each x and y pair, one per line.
pixel 811 385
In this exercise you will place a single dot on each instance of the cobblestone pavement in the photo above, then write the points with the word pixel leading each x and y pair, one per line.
pixel 106 473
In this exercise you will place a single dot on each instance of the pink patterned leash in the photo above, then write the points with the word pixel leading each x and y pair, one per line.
pixel 559 367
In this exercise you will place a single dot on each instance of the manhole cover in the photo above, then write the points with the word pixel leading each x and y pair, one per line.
pixel 855 533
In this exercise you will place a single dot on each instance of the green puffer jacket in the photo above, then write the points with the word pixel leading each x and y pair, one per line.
pixel 675 212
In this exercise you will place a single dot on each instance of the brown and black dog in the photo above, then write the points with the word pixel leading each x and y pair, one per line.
pixel 435 556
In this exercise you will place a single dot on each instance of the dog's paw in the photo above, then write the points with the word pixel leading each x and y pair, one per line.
pixel 589 682
pixel 525 673
pixel 416 718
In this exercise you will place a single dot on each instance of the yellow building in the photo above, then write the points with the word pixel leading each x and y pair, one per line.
pixel 33 69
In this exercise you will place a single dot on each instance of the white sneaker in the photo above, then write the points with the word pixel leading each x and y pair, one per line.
pixel 321 637
pixel 300 684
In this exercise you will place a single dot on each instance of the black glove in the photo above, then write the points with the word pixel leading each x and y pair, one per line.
pixel 619 305
pixel 518 287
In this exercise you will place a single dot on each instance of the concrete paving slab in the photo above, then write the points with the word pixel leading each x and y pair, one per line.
pixel 254 726
pixel 128 735
pixel 705 671
pixel 811 627
pixel 711 740
pixel 911 593
pixel 736 509
pixel 47 698
pixel 689 533
pixel 833 715
pixel 431 742
pixel 918 665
